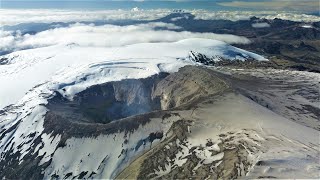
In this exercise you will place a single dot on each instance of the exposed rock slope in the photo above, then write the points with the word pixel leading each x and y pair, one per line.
pixel 186 86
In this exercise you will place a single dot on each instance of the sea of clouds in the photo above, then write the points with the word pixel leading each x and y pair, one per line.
pixel 13 16
pixel 106 36
pixel 78 29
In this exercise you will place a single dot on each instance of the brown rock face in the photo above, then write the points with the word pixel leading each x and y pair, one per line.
pixel 186 86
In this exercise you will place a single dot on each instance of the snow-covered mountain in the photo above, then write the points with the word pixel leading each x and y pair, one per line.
pixel 66 123
pixel 32 77
pixel 146 94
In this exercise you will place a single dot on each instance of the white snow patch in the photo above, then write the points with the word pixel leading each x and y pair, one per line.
pixel 308 26
pixel 105 155
pixel 260 25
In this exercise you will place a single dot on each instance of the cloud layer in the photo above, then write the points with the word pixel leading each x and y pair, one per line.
pixel 296 5
pixel 111 35
pixel 245 15
pixel 14 17
pixel 106 36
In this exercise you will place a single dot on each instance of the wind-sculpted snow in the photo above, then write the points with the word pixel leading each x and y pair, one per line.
pixel 31 77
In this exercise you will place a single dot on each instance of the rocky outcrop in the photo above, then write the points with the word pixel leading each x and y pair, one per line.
pixel 186 86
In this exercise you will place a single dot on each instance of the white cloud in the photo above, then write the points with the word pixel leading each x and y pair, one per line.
pixel 245 15
pixel 110 35
pixel 106 36
pixel 135 9
pixel 13 17
pixel 295 5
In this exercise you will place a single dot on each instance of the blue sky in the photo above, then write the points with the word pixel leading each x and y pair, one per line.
pixel 286 5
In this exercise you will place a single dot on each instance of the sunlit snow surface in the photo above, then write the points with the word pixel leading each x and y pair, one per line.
pixel 31 76
pixel 74 67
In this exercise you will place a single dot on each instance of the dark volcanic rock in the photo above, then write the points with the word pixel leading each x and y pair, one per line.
pixel 4 61
pixel 110 101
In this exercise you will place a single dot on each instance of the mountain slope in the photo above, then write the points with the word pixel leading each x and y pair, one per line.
pixel 37 141
pixel 213 130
